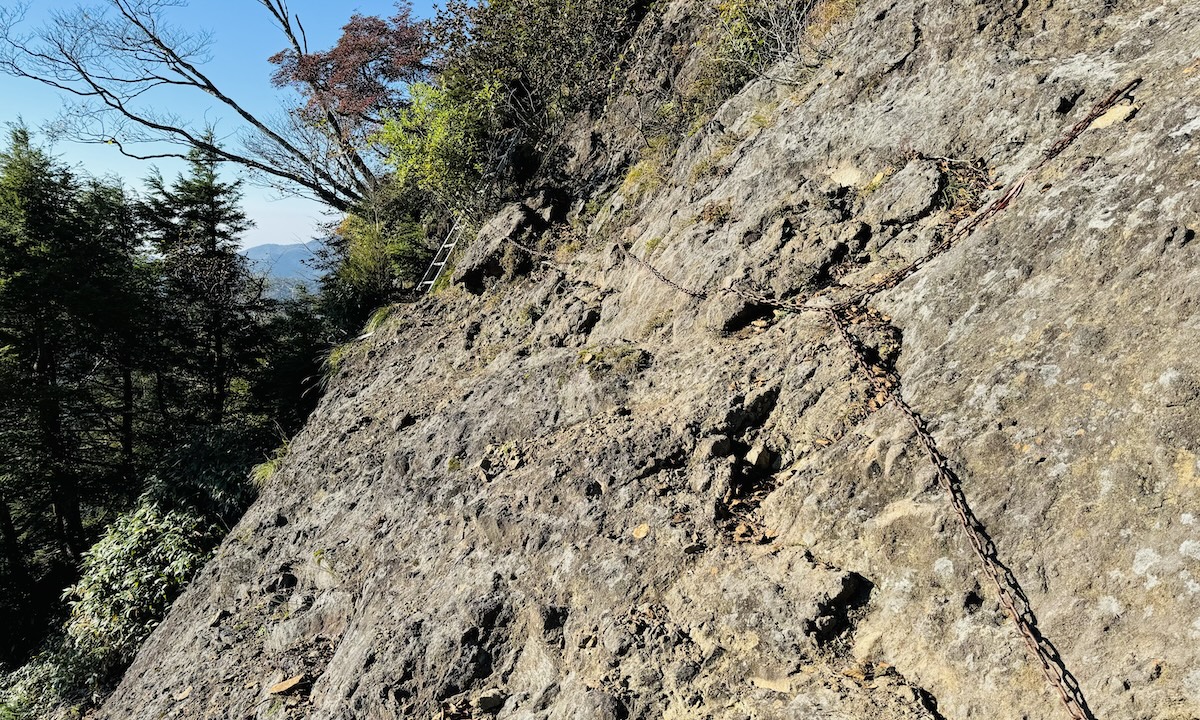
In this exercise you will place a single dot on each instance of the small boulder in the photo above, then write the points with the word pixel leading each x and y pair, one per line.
pixel 483 257
pixel 714 446
pixel 220 616
pixel 490 701
pixel 760 457
pixel 550 204
pixel 906 197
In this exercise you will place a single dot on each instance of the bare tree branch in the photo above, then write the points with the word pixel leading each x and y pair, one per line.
pixel 278 8
pixel 118 60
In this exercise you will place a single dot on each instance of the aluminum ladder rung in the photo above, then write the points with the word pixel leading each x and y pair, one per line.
pixel 442 257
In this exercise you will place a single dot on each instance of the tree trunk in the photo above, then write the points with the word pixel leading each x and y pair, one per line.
pixel 63 493
pixel 127 410
pixel 11 542
pixel 217 310
pixel 68 519
pixel 220 379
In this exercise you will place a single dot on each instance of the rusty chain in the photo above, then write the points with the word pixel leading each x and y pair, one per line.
pixel 1012 597
pixel 996 206
pixel 887 383
pixel 698 294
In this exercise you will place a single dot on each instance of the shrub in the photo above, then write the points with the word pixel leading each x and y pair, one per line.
pixel 334 360
pixel 622 361
pixel 757 35
pixel 439 141
pixel 549 59
pixel 650 172
pixel 643 178
pixel 374 254
pixel 381 254
pixel 56 684
pixel 378 319
pixel 711 165
pixel 131 577
pixel 715 213
pixel 779 40
pixel 205 476
pixel 962 191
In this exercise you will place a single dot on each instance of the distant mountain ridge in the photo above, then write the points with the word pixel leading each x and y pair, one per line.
pixel 287 265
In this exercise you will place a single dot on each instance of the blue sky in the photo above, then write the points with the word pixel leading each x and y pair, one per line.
pixel 243 38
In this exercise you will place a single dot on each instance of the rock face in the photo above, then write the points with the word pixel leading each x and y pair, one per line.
pixel 584 493
pixel 483 259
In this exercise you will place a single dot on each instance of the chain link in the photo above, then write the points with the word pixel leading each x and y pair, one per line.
pixel 698 294
pixel 1001 203
pixel 1012 597
pixel 887 383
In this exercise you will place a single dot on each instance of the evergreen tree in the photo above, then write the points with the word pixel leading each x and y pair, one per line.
pixel 210 302
pixel 68 318
pixel 142 374
pixel 38 255
pixel 118 297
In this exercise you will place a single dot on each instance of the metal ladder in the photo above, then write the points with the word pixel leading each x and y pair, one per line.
pixel 484 190
pixel 440 258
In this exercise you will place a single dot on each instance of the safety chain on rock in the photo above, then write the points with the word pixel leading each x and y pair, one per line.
pixel 996 206
pixel 698 294
pixel 1012 597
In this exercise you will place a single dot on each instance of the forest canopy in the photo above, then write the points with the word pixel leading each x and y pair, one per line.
pixel 144 367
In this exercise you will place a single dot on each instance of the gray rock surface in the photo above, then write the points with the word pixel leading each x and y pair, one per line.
pixel 483 259
pixel 912 193
pixel 603 498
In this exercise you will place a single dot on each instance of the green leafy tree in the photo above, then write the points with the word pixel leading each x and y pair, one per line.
pixel 438 144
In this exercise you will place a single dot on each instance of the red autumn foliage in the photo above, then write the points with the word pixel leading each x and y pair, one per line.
pixel 365 72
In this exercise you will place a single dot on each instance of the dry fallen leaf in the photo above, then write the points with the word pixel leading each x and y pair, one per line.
pixel 641 531
pixel 854 673
pixel 286 685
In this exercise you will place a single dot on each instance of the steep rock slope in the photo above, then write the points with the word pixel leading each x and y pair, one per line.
pixel 589 493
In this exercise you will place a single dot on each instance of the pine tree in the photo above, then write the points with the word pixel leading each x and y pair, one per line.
pixel 141 369
pixel 118 296
pixel 37 257
pixel 72 297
